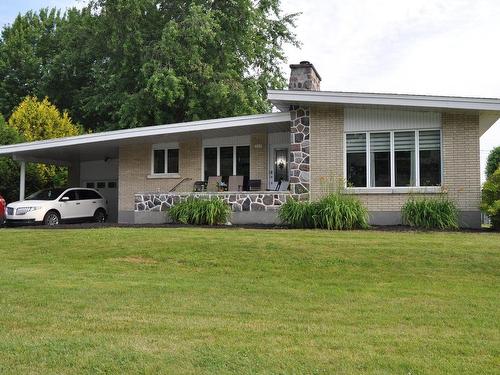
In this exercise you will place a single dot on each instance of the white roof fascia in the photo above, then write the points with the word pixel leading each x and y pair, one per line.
pixel 423 101
pixel 229 122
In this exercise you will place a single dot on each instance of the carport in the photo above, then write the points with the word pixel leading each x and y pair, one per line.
pixel 90 164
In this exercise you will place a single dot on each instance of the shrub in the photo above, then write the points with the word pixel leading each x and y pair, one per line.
pixel 430 213
pixel 200 212
pixel 298 214
pixel 336 211
pixel 491 198
pixel 339 211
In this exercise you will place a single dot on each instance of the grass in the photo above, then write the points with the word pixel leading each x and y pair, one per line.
pixel 237 301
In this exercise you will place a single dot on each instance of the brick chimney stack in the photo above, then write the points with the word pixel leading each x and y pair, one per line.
pixel 304 76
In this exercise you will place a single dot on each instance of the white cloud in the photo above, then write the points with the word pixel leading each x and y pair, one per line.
pixel 438 47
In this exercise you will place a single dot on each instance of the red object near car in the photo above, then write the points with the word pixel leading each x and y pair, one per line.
pixel 2 209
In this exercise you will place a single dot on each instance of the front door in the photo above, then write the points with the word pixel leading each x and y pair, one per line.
pixel 278 166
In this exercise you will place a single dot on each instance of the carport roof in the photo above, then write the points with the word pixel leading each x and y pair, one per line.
pixel 97 146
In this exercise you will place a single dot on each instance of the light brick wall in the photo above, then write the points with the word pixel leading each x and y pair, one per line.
pixel 326 149
pixel 135 166
pixel 258 159
pixel 461 170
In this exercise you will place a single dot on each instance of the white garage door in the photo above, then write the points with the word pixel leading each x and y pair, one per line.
pixel 109 190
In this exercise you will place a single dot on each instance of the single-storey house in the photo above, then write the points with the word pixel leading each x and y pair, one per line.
pixel 383 148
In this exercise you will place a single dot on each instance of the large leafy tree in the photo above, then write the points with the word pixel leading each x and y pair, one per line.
pixel 493 162
pixel 127 63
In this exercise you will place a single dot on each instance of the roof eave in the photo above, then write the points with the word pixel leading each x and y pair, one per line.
pixel 284 97
pixel 118 135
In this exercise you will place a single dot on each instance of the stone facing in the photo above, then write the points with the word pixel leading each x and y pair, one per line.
pixel 299 152
pixel 239 201
pixel 304 77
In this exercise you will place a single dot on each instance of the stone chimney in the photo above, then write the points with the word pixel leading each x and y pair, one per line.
pixel 304 76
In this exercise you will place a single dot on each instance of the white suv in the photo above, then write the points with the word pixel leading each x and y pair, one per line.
pixel 51 206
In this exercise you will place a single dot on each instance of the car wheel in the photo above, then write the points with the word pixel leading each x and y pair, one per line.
pixel 100 216
pixel 51 219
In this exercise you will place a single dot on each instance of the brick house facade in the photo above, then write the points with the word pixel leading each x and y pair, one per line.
pixel 383 148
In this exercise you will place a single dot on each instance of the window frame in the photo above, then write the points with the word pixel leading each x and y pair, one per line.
pixel 393 187
pixel 234 147
pixel 165 147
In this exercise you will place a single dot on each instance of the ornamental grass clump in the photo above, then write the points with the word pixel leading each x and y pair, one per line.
pixel 336 211
pixel 340 211
pixel 298 214
pixel 200 212
pixel 430 213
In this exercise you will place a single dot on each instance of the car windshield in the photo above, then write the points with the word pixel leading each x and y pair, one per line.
pixel 45 195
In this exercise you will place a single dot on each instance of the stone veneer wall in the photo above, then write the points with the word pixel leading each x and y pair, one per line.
pixel 299 152
pixel 244 201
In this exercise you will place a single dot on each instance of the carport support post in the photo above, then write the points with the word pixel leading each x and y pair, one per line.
pixel 22 181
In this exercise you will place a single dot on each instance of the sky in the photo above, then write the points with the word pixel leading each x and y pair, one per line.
pixel 431 47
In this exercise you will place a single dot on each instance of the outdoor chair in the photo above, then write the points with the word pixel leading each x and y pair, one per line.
pixel 213 183
pixel 236 183
pixel 254 185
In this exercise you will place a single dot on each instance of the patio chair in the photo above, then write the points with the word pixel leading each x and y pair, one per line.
pixel 199 186
pixel 254 185
pixel 236 183
pixel 213 183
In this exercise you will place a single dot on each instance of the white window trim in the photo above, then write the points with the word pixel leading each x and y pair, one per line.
pixel 165 147
pixel 394 189
pixel 218 158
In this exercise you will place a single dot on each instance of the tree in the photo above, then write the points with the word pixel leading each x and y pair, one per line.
pixel 491 198
pixel 128 63
pixel 9 169
pixel 493 162
pixel 27 48
pixel 36 120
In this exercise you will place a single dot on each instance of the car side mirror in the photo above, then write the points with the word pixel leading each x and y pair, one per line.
pixel 64 199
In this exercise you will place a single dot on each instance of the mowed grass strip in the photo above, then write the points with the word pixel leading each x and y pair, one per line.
pixel 240 301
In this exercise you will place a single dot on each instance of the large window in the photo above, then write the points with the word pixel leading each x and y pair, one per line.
pixel 393 159
pixel 430 158
pixel 380 159
pixel 226 161
pixel 210 162
pixel 404 159
pixel 165 160
pixel 356 159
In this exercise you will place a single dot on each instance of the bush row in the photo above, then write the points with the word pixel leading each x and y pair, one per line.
pixel 336 211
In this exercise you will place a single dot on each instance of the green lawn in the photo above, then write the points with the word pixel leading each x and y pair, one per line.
pixel 239 301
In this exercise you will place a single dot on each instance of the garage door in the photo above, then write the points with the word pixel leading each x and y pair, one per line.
pixel 109 190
